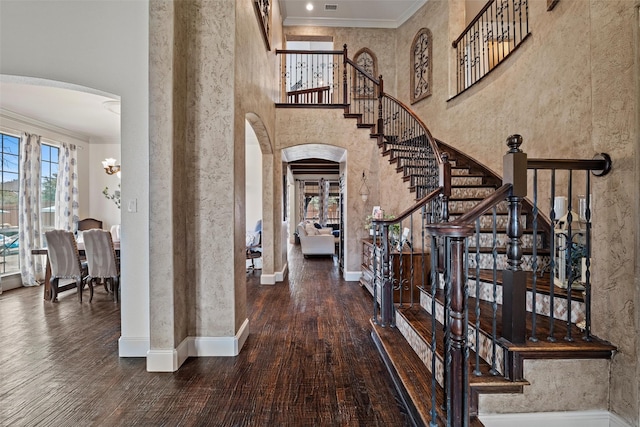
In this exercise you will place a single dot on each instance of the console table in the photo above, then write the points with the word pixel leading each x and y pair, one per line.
pixel 405 259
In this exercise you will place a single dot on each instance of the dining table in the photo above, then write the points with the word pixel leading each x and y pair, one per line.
pixel 47 274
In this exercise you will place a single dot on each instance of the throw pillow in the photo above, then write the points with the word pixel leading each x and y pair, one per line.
pixel 310 229
pixel 325 231
pixel 316 225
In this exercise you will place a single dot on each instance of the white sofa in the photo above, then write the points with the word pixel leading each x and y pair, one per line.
pixel 315 241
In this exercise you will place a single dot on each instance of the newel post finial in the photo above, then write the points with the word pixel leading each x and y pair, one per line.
pixel 514 142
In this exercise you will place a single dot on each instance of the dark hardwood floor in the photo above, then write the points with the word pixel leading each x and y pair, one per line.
pixel 309 361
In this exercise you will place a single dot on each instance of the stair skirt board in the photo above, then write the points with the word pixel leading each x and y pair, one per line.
pixel 555 419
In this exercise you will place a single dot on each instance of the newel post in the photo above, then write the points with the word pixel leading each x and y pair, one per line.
pixel 514 286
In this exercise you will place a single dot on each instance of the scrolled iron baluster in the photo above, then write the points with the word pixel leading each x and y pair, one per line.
pixel 569 272
pixel 552 217
pixel 534 265
pixel 477 311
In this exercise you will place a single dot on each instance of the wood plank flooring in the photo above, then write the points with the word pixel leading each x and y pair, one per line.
pixel 309 361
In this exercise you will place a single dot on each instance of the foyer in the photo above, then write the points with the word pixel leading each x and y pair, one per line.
pixel 309 360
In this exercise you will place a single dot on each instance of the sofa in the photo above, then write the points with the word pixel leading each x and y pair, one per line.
pixel 316 241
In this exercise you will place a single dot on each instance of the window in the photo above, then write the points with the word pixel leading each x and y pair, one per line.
pixel 49 178
pixel 9 204
pixel 9 156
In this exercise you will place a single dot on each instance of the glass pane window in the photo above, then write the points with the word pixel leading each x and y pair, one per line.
pixel 9 204
pixel 49 177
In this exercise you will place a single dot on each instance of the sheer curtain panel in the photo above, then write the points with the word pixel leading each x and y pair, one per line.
pixel 29 215
pixel 67 188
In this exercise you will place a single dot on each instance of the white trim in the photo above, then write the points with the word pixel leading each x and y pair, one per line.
pixel 554 419
pixel 170 360
pixel 280 275
pixel 27 121
pixel 352 276
pixel 162 360
pixel 133 347
pixel 219 346
pixel 357 23
pixel 267 279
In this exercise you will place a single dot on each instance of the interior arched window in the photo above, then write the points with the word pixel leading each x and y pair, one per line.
pixel 421 65
pixel 366 61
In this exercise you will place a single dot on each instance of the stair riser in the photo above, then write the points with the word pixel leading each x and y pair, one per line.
pixel 486 221
pixel 421 348
pixel 485 349
pixel 471 192
pixel 543 302
pixel 486 261
pixel 466 180
pixel 486 240
pixel 463 206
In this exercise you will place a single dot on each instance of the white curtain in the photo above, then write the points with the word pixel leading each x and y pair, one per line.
pixel 67 188
pixel 29 218
pixel 301 197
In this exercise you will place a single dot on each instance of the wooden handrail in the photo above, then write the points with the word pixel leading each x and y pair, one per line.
pixel 310 90
pixel 496 197
pixel 472 23
pixel 432 142
pixel 601 162
pixel 358 68
pixel 405 214
pixel 311 52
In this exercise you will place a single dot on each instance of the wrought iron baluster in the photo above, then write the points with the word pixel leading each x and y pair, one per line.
pixel 434 326
pixel 552 217
pixel 569 274
pixel 477 312
pixel 534 266
pixel 587 284
pixel 494 302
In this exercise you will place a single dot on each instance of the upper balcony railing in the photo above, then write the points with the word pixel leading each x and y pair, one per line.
pixel 497 31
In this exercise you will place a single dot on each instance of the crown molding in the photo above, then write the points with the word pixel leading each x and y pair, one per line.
pixel 20 119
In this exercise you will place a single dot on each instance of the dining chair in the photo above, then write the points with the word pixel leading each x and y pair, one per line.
pixel 89 224
pixel 65 262
pixel 102 260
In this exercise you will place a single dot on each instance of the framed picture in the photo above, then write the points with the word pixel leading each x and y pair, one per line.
pixel 263 13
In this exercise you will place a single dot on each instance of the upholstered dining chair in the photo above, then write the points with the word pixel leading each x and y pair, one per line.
pixel 102 260
pixel 89 224
pixel 65 262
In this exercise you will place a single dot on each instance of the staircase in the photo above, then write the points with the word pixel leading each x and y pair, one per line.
pixel 490 326
pixel 496 366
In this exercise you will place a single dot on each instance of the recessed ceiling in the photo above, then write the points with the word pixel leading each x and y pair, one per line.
pixel 349 13
pixel 80 112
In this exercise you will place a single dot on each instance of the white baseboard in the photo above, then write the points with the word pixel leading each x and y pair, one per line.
pixel 267 279
pixel 133 347
pixel 280 275
pixel 554 419
pixel 170 360
pixel 352 276
pixel 272 279
pixel 219 346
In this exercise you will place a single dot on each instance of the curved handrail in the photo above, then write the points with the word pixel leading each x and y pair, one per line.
pixel 478 210
pixel 427 132
pixel 416 206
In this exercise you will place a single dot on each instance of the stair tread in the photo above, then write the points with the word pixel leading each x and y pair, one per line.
pixel 543 283
pixel 543 348
pixel 421 322
pixel 412 373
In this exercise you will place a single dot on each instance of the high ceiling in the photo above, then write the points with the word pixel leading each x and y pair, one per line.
pixel 349 13
pixel 82 111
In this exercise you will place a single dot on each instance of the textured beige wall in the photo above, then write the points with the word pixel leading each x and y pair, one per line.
pixel 570 90
pixel 556 385
pixel 328 126
pixel 257 79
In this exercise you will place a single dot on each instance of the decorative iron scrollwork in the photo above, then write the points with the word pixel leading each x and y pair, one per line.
pixel 263 12
pixel 421 75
